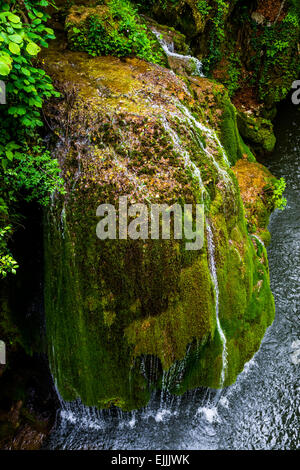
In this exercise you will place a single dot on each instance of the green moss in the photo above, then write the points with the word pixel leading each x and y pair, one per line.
pixel 230 135
pixel 246 151
pixel 187 317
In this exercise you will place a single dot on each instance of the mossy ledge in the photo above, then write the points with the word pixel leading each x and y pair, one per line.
pixel 111 304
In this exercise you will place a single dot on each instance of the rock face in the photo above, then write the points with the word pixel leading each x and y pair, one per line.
pixel 116 307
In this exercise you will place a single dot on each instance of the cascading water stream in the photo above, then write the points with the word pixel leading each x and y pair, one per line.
pixel 256 237
pixel 213 270
pixel 169 50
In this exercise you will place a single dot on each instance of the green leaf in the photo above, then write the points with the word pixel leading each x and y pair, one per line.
pixel 4 163
pixel 16 38
pixel 9 155
pixel 13 18
pixel 25 71
pixel 6 59
pixel 32 48
pixel 17 110
pixel 4 68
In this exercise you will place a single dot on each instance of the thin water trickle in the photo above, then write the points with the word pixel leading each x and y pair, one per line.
pixel 213 270
pixel 185 155
pixel 209 134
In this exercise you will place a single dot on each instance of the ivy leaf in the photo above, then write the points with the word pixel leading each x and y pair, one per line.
pixel 17 110
pixel 25 71
pixel 4 163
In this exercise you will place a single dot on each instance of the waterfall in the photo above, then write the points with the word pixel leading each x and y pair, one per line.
pixel 171 379
pixel 169 49
pixel 149 367
pixel 213 270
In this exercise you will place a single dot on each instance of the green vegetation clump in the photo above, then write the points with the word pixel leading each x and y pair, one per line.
pixel 275 190
pixel 111 28
pixel 203 7
pixel 217 34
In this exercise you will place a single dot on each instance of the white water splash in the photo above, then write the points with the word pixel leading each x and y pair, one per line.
pixel 213 270
pixel 295 356
pixel 162 415
pixel 210 414
pixel 224 402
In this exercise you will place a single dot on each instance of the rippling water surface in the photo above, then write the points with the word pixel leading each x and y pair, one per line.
pixel 260 411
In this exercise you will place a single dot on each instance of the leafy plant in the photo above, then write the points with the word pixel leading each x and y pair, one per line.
pixel 217 34
pixel 26 168
pixel 276 48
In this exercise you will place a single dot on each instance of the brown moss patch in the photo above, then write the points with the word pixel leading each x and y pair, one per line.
pixel 253 179
pixel 271 9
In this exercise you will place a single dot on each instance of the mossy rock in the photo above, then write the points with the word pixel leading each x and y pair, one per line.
pixel 112 304
pixel 257 131
pixel 254 181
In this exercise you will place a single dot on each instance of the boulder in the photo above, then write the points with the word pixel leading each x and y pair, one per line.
pixel 122 315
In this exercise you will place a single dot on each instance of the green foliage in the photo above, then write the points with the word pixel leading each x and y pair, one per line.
pixel 203 7
pixel 276 50
pixel 26 169
pixel 217 35
pixel 234 72
pixel 295 9
pixel 118 32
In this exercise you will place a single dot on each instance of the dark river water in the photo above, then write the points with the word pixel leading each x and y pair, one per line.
pixel 262 409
